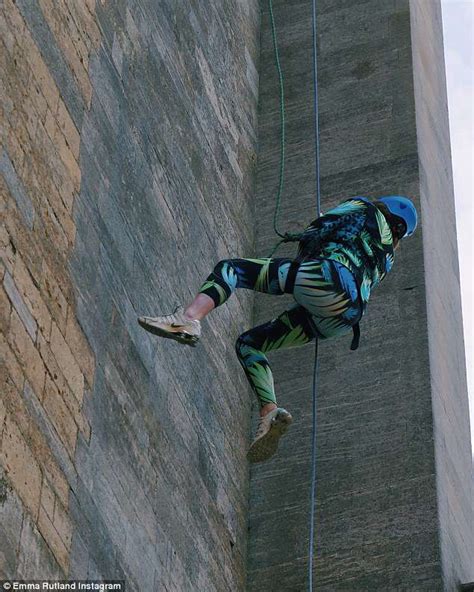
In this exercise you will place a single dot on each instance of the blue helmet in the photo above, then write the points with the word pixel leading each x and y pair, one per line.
pixel 403 208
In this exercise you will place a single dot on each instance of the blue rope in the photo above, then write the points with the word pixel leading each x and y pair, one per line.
pixel 313 474
pixel 290 236
pixel 316 110
pixel 315 372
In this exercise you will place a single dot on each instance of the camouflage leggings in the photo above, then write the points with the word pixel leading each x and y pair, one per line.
pixel 327 305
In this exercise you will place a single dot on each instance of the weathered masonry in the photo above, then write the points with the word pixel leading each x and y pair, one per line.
pixel 128 151
pixel 138 147
pixel 395 498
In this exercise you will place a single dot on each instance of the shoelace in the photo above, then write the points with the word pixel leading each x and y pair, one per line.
pixel 261 425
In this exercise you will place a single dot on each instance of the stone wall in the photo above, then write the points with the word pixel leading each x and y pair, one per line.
pixel 389 515
pixel 128 150
pixel 454 471
pixel 49 363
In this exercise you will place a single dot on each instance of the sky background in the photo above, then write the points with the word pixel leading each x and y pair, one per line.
pixel 458 25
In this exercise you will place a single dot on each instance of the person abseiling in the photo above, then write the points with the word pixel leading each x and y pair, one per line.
pixel 342 256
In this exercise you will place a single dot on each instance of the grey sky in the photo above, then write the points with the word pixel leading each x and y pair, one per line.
pixel 458 24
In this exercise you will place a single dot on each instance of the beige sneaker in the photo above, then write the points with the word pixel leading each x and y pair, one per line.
pixel 173 326
pixel 270 427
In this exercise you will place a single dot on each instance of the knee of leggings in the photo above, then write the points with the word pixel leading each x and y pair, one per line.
pixel 220 264
pixel 238 345
pixel 243 339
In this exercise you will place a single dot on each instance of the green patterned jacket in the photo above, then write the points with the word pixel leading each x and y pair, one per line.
pixel 356 234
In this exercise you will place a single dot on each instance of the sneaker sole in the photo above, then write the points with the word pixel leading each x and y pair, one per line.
pixel 179 337
pixel 266 446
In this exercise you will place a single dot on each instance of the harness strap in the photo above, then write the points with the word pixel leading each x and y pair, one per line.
pixel 356 337
pixel 291 277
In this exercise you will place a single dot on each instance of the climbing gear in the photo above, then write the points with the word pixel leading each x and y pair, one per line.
pixel 284 237
pixel 316 363
pixel 287 236
pixel 173 326
pixel 403 208
pixel 356 336
pixel 269 430
pixel 290 278
pixel 282 123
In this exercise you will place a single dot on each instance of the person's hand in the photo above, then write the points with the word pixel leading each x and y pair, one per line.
pixel 292 237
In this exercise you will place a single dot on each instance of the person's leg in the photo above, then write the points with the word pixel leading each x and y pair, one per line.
pixel 291 328
pixel 262 275
pixel 200 307
pixel 183 325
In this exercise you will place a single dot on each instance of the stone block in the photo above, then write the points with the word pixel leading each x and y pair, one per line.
pixel 54 295
pixel 68 129
pixel 40 71
pixel 55 543
pixel 5 309
pixel 80 347
pixel 14 20
pixel 52 55
pixel 21 467
pixel 3 413
pixel 20 306
pixel 60 416
pixel 8 38
pixel 13 402
pixel 50 451
pixel 7 251
pixel 62 523
pixel 35 558
pixel 27 353
pixel 28 286
pixel 11 518
pixel 67 363
pixel 17 190
pixel 47 499
pixel 69 43
pixel 15 149
pixel 64 389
